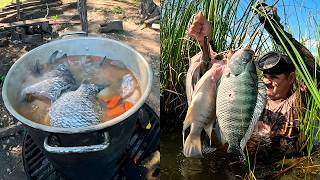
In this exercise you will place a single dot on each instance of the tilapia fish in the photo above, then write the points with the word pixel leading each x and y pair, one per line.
pixel 76 109
pixel 200 114
pixel 240 101
pixel 59 81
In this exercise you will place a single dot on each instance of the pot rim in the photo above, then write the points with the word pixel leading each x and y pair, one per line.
pixel 97 127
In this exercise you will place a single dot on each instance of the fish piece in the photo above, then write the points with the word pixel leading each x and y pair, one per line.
pixel 201 112
pixel 239 105
pixel 128 85
pixel 76 109
pixel 117 63
pixel 60 80
pixel 135 96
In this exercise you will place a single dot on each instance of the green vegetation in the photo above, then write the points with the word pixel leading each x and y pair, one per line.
pixel 2 77
pixel 55 17
pixel 117 10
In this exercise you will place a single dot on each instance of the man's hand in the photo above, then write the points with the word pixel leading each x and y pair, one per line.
pixel 200 28
pixel 267 10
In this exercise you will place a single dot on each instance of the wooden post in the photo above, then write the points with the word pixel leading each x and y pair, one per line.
pixel 82 8
pixel 18 9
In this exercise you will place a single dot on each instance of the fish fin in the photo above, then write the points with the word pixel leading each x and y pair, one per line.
pixel 260 105
pixel 235 149
pixel 218 134
pixel 104 61
pixel 208 150
pixel 53 57
pixel 186 123
pixel 183 133
pixel 192 146
pixel 208 129
pixel 196 99
pixel 188 120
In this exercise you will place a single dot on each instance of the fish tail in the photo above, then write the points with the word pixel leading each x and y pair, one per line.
pixel 183 138
pixel 192 146
pixel 208 130
pixel 236 150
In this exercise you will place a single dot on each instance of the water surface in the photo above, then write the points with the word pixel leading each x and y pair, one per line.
pixel 175 166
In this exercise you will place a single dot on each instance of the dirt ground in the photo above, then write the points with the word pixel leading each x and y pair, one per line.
pixel 144 40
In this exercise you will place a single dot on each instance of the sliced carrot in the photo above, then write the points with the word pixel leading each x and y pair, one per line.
pixel 127 105
pixel 113 102
pixel 115 111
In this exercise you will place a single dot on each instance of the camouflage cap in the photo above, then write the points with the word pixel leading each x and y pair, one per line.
pixel 275 63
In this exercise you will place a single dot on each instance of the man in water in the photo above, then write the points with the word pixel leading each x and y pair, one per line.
pixel 277 130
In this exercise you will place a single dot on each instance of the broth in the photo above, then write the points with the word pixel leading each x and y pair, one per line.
pixel 113 100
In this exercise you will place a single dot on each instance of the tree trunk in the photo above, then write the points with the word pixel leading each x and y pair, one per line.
pixel 18 10
pixel 82 8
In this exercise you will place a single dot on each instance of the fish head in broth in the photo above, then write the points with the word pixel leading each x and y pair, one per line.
pixel 76 109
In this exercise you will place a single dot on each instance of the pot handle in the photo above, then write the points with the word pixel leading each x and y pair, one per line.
pixel 77 149
pixel 72 33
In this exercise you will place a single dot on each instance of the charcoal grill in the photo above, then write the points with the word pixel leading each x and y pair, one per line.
pixel 143 142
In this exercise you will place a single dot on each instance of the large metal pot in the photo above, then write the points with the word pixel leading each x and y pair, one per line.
pixel 81 153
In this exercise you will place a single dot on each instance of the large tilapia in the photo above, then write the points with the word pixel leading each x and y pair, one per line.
pixel 201 112
pixel 240 101
pixel 60 80
pixel 76 109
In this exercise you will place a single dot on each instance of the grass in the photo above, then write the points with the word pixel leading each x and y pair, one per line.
pixel 55 17
pixel 4 3
pixel 2 77
pixel 117 10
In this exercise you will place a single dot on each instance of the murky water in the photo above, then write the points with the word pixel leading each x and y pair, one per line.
pixel 216 165
pixel 97 70
pixel 174 165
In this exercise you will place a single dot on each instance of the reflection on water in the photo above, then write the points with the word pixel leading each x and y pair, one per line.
pixel 216 165
pixel 175 166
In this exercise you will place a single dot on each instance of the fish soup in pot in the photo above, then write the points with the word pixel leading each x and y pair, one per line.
pixel 111 78
pixel 49 98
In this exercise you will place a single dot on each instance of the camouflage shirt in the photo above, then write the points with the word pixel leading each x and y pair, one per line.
pixel 277 131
